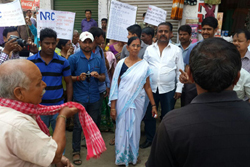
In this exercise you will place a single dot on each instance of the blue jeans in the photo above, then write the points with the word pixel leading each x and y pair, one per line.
pixel 167 101
pixel 93 110
pixel 49 120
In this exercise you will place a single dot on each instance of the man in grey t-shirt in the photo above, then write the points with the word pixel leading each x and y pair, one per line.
pixel 134 30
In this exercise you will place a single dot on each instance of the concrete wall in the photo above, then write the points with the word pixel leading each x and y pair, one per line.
pixel 102 10
pixel 46 4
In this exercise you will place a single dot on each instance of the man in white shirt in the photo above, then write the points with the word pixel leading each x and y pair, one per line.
pixel 165 60
pixel 242 88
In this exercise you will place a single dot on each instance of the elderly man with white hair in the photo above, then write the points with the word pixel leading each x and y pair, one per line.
pixel 75 40
pixel 23 142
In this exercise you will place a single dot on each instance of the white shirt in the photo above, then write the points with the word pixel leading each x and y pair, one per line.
pixel 242 88
pixel 22 143
pixel 76 46
pixel 165 67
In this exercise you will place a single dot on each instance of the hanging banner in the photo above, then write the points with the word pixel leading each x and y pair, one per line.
pixel 121 16
pixel 60 21
pixel 155 15
pixel 11 14
pixel 30 4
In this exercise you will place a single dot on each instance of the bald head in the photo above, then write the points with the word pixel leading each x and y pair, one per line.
pixel 75 32
pixel 17 64
pixel 16 73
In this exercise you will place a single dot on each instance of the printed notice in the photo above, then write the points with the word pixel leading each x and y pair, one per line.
pixel 60 21
pixel 11 14
pixel 155 15
pixel 121 16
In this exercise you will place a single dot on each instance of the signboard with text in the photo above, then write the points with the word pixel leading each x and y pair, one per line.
pixel 155 15
pixel 60 21
pixel 30 4
pixel 11 14
pixel 121 16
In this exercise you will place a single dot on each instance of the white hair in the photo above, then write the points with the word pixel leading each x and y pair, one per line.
pixel 12 79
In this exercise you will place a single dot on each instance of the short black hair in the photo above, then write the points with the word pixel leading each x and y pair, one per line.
pixel 135 29
pixel 9 29
pixel 167 24
pixel 185 28
pixel 47 33
pixel 88 10
pixel 104 19
pixel 96 32
pixel 144 14
pixel 130 40
pixel 244 31
pixel 210 21
pixel 28 11
pixel 214 64
pixel 148 31
pixel 62 42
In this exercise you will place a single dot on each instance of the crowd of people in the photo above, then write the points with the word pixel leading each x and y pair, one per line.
pixel 122 84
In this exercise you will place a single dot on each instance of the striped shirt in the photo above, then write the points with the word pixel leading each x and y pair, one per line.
pixel 246 61
pixel 52 74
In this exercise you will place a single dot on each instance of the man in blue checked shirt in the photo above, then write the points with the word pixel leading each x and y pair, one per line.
pixel 104 87
pixel 88 69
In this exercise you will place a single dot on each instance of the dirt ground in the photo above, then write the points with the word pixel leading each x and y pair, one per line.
pixel 107 159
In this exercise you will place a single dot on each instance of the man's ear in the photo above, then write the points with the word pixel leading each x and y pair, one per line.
pixel 236 79
pixel 171 35
pixel 215 30
pixel 57 41
pixel 127 47
pixel 248 41
pixel 18 94
pixel 5 39
pixel 191 79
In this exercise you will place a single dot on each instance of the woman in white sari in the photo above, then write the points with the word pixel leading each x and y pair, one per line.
pixel 127 98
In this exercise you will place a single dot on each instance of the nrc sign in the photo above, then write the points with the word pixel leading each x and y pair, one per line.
pixel 47 16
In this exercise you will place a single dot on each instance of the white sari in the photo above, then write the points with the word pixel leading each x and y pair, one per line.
pixel 130 97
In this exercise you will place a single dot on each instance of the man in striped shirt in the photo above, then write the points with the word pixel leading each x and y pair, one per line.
pixel 53 67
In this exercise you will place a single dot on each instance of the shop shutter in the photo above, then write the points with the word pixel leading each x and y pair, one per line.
pixel 142 6
pixel 78 7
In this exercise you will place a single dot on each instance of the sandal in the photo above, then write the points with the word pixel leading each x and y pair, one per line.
pixel 112 142
pixel 77 161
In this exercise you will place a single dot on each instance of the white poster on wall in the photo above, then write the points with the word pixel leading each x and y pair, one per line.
pixel 155 15
pixel 121 16
pixel 60 21
pixel 11 14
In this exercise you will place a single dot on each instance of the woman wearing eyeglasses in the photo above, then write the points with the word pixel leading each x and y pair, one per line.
pixel 127 95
